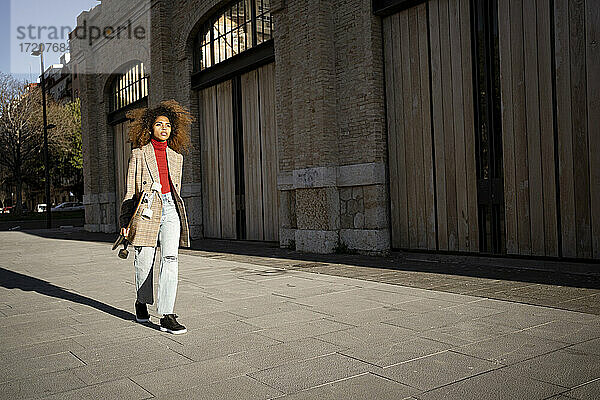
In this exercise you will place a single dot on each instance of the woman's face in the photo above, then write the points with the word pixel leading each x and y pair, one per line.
pixel 161 130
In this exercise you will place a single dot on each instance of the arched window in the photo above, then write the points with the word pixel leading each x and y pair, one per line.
pixel 237 28
pixel 129 87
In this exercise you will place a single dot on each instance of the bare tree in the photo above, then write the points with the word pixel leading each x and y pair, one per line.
pixel 21 129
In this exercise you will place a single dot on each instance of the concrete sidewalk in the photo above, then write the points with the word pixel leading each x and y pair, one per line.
pixel 262 331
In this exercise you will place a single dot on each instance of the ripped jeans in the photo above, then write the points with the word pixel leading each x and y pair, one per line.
pixel 168 237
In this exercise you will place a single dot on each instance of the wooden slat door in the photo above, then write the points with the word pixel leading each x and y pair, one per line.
pixel 543 218
pixel 258 161
pixel 218 191
pixel 452 102
pixel 252 163
pixel 431 134
pixel 592 56
pixel 226 160
pixel 549 121
pixel 527 127
pixel 260 154
pixel 409 133
pixel 268 143
pixel 211 199
pixel 578 121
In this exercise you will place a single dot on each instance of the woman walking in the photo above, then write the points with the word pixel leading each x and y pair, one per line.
pixel 159 136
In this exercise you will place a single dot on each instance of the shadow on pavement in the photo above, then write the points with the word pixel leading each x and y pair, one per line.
pixel 533 270
pixel 14 280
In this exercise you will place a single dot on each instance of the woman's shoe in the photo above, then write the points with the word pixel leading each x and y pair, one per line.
pixel 141 312
pixel 169 324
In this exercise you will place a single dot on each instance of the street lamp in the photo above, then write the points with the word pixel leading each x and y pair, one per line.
pixel 40 53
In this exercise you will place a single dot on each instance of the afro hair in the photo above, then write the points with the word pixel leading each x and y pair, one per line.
pixel 140 130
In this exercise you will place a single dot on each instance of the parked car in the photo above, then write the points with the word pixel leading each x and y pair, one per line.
pixel 40 207
pixel 7 210
pixel 68 206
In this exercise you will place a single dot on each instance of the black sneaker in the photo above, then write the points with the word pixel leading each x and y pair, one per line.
pixel 141 312
pixel 169 324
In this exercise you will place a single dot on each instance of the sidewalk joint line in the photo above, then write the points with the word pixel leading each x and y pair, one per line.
pixel 334 381
pixel 395 381
pixel 340 352
pixel 464 379
pixel 585 383
pixel 417 358
pixel 77 357
pixel 266 384
pixel 140 386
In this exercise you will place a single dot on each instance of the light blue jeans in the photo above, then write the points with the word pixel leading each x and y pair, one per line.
pixel 168 238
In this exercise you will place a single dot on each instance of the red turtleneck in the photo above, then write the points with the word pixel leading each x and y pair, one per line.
pixel 160 150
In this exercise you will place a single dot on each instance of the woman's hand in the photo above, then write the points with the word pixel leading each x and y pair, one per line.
pixel 125 232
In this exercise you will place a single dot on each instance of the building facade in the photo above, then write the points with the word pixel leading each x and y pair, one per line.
pixel 360 125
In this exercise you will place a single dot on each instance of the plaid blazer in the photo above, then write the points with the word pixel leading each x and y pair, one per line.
pixel 142 171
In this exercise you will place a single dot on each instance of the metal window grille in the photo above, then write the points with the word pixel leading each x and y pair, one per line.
pixel 235 29
pixel 129 87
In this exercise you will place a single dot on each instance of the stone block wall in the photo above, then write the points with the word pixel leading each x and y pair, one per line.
pixel 331 126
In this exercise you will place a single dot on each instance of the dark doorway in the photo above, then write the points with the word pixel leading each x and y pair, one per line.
pixel 488 126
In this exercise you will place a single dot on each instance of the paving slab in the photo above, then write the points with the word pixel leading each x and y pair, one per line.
pixel 565 331
pixel 11 341
pixel 37 350
pixel 385 297
pixel 361 387
pixel 284 318
pixel 295 331
pixel 186 376
pixel 124 334
pixel 440 318
pixel 100 371
pixel 198 349
pixel 521 318
pixel 587 347
pixel 586 391
pixel 26 368
pixel 295 376
pixel 130 348
pixel 283 353
pixel 338 302
pixel 249 310
pixel 365 335
pixel 470 331
pixel 511 348
pixel 423 305
pixel 437 370
pixel 223 331
pixel 241 387
pixel 41 385
pixel 564 367
pixel 21 328
pixel 300 293
pixel 105 391
pixel 494 385
pixel 385 353
pixel 379 314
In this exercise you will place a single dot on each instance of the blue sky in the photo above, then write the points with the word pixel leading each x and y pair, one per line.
pixel 36 13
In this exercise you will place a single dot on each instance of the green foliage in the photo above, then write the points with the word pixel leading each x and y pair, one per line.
pixel 64 149
pixel 68 159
